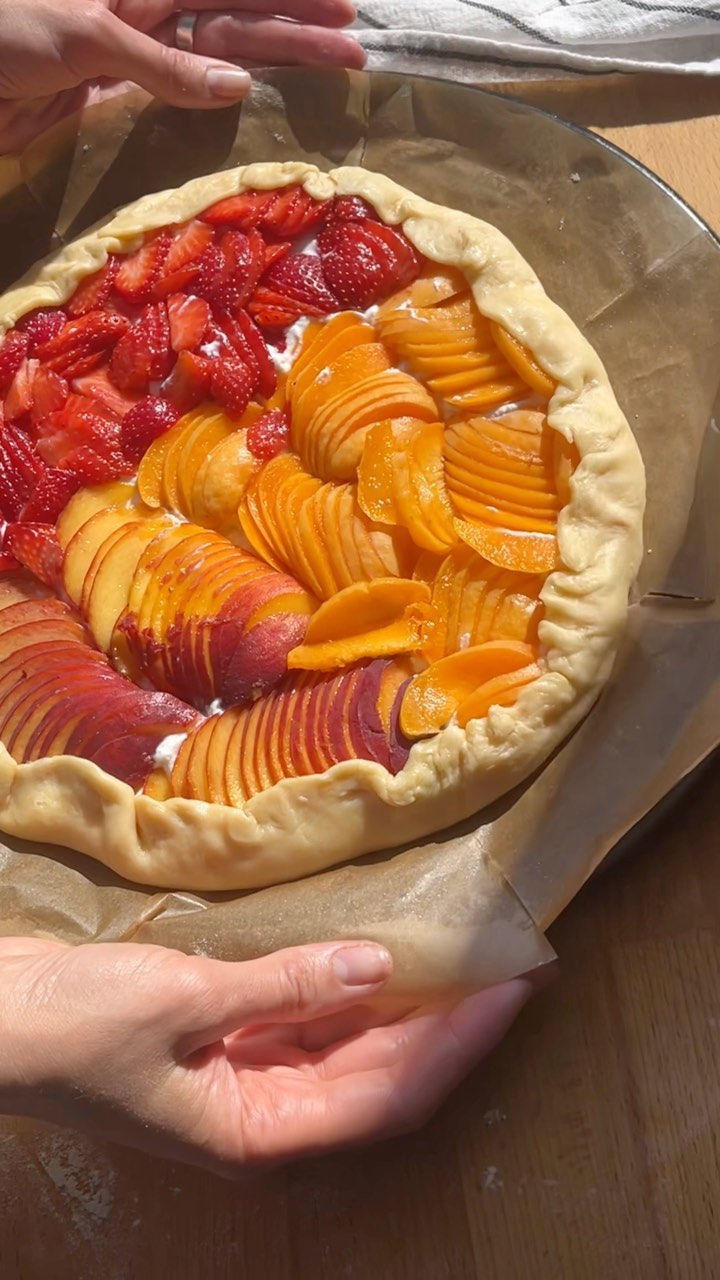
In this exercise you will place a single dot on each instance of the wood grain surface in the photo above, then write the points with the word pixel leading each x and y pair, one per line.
pixel 588 1148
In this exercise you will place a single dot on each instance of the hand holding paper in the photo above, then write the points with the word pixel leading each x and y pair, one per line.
pixel 233 1067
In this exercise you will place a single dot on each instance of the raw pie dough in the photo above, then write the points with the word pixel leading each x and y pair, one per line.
pixel 303 825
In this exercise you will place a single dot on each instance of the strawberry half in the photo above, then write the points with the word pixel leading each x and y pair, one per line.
pixel 96 468
pixel 243 211
pixel 93 293
pixel 232 384
pixel 300 279
pixel 151 418
pixel 231 283
pixel 189 319
pixel 20 398
pixel 81 343
pixel 140 271
pixel 49 393
pixel 52 494
pixel 97 386
pixel 269 435
pixel 143 355
pixel 21 469
pixel 293 213
pixel 13 350
pixel 36 547
pixel 275 252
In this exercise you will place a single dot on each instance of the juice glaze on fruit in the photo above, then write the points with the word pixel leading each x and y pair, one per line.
pixel 293 500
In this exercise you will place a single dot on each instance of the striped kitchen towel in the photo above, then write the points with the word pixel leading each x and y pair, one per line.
pixel 571 35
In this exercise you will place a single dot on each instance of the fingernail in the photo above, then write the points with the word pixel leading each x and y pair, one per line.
pixel 362 966
pixel 227 82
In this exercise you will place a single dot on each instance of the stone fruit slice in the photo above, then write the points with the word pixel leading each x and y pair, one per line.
pixel 434 696
pixel 298 729
pixel 502 691
pixel 452 347
pixel 367 620
pixel 401 481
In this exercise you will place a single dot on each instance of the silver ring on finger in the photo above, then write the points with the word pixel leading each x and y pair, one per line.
pixel 185 32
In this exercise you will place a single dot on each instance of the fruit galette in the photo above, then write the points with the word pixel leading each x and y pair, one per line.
pixel 319 520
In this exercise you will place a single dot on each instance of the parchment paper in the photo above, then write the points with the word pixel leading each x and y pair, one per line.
pixel 641 276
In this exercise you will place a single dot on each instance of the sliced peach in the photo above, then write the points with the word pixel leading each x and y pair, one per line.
pixel 523 552
pixel 158 786
pixel 195 785
pixel 252 523
pixel 523 362
pixel 376 488
pixel 502 691
pixel 324 346
pixel 208 434
pixel 221 481
pixel 111 582
pixel 87 503
pixel 152 465
pixel 84 544
pixel 217 755
pixel 433 697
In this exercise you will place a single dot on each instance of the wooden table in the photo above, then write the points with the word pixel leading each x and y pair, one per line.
pixel 587 1148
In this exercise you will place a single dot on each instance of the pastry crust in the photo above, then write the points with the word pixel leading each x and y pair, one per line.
pixel 304 825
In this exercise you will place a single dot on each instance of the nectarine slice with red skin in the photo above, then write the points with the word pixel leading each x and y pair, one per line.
pixel 260 658
pixel 51 629
pixel 120 713
pixel 25 702
pixel 503 691
pixel 366 726
pixel 110 586
pixel 217 749
pixel 433 697
pixel 131 757
pixel 195 786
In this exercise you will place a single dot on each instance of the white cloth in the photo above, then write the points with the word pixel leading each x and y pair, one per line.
pixel 573 35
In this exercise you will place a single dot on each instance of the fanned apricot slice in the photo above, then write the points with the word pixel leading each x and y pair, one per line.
pixel 366 620
pixel 502 691
pixel 221 481
pixel 401 481
pixel 432 698
pixel 509 549
pixel 522 361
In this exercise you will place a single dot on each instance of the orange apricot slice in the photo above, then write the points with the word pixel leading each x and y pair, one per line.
pixel 433 697
pixel 511 549
pixel 381 618
pixel 522 361
pixel 502 691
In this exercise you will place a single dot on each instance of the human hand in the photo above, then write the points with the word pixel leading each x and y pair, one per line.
pixel 51 53
pixel 231 1066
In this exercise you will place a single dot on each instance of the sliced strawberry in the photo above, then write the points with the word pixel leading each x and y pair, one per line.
pixel 19 399
pixel 21 468
pixel 26 462
pixel 95 468
pixel 13 351
pixel 189 319
pixel 144 354
pixel 82 423
pixel 275 252
pixel 402 257
pixel 182 264
pixel 139 271
pixel 54 490
pixel 50 392
pixel 97 386
pixel 42 326
pixel 256 344
pixel 299 278
pixel 189 382
pixel 82 343
pixel 8 563
pixel 151 418
pixel 232 385
pixel 269 435
pixel 208 273
pixel 243 211
pixel 293 213
pixel 229 284
pixel 268 315
pixel 36 547
pixel 348 209
pixel 93 292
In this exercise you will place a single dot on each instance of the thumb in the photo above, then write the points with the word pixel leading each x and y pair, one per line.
pixel 119 52
pixel 290 986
